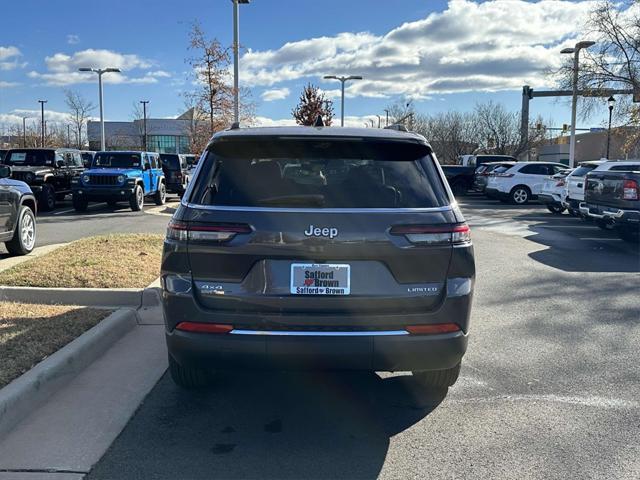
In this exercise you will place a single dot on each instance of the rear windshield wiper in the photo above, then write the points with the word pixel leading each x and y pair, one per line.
pixel 293 200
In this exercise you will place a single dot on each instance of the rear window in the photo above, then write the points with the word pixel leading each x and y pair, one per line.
pixel 501 168
pixel 297 173
pixel 170 162
pixel 31 158
pixel 582 170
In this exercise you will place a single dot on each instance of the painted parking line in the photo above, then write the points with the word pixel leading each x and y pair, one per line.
pixel 71 210
pixel 600 239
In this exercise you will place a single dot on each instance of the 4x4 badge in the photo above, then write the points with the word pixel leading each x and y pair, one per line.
pixel 312 231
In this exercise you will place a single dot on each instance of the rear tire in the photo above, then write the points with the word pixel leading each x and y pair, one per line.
pixel 24 237
pixel 80 204
pixel 520 195
pixel 47 199
pixel 161 195
pixel 555 209
pixel 136 201
pixel 438 378
pixel 186 377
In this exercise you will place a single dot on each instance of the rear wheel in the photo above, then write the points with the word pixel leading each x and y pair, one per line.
pixel 520 195
pixel 555 209
pixel 161 195
pixel 80 204
pixel 136 201
pixel 24 236
pixel 187 377
pixel 47 198
pixel 438 378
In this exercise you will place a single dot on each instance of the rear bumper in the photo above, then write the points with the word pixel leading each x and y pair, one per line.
pixel 175 187
pixel 616 215
pixel 550 199
pixel 309 352
pixel 572 203
pixel 291 341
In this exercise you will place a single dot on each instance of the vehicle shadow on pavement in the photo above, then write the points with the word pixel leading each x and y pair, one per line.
pixel 268 425
pixel 577 254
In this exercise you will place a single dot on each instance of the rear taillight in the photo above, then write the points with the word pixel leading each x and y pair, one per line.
pixel 433 329
pixel 504 175
pixel 630 190
pixel 179 176
pixel 215 233
pixel 197 327
pixel 434 234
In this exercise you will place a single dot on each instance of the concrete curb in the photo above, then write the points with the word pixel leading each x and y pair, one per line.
pixel 88 297
pixel 22 396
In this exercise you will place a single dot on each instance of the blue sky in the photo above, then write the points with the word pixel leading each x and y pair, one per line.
pixel 443 54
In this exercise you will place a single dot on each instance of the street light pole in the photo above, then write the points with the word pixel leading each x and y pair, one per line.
pixel 144 122
pixel 611 101
pixel 387 112
pixel 24 132
pixel 42 125
pixel 100 72
pixel 236 59
pixel 574 102
pixel 342 80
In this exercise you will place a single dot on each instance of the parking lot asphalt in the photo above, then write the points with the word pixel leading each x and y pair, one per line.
pixel 64 224
pixel 550 386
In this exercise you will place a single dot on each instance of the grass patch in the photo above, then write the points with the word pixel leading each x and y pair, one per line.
pixel 30 333
pixel 111 261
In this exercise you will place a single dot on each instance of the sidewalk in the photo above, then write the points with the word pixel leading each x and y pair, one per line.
pixel 67 435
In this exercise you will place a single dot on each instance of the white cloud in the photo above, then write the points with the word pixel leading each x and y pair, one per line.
pixel 9 58
pixel 275 94
pixel 270 122
pixel 15 116
pixel 63 68
pixel 4 84
pixel 73 39
pixel 470 46
pixel 349 121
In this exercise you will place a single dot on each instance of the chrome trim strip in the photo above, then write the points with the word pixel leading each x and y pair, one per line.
pixel 446 208
pixel 294 333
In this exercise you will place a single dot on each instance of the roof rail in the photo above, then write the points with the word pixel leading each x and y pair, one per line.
pixel 396 126
pixel 234 126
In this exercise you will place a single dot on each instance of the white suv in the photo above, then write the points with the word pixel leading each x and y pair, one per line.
pixel 574 185
pixel 522 182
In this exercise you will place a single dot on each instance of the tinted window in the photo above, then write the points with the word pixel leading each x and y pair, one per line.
pixel 319 174
pixel 626 168
pixel 30 157
pixel 170 162
pixel 582 170
pixel 117 160
pixel 535 169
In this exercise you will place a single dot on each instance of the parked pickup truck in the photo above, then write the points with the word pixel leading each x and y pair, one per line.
pixel 612 199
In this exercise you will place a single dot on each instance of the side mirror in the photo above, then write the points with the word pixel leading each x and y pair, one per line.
pixel 5 171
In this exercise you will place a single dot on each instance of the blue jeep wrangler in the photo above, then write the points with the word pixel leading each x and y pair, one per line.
pixel 121 177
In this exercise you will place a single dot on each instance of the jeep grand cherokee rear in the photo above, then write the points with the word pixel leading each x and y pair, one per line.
pixel 317 248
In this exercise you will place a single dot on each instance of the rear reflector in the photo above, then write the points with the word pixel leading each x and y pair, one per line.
pixel 630 188
pixel 203 327
pixel 216 233
pixel 433 329
pixel 434 234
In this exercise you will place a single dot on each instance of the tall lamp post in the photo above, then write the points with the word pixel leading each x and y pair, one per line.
pixel 24 132
pixel 144 123
pixel 236 59
pixel 100 72
pixel 611 101
pixel 574 103
pixel 42 124
pixel 342 80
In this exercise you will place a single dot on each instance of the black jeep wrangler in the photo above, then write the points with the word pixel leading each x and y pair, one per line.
pixel 48 171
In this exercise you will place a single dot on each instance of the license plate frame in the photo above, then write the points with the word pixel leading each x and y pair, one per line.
pixel 320 284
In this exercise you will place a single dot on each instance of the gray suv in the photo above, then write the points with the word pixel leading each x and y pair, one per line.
pixel 317 248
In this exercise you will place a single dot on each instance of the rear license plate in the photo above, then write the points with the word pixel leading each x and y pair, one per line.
pixel 320 279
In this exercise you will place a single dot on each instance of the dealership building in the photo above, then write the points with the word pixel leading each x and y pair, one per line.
pixel 164 135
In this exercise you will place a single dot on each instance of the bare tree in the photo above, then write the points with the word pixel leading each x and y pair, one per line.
pixel 311 104
pixel 79 111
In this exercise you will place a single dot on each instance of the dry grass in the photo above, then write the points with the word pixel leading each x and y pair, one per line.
pixel 112 261
pixel 30 333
